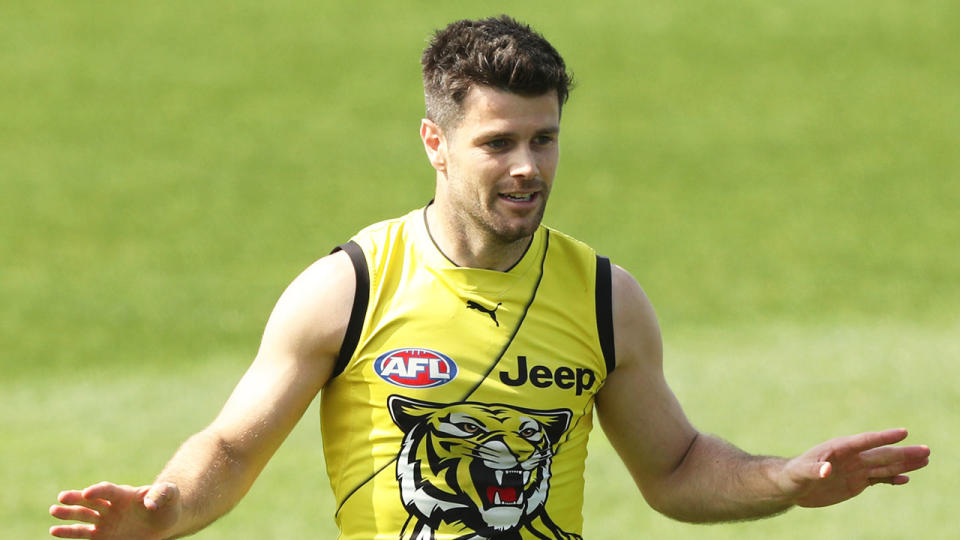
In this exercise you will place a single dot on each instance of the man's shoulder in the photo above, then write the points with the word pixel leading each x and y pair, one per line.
pixel 381 231
pixel 561 239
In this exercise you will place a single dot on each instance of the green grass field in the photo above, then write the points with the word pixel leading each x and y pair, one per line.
pixel 782 179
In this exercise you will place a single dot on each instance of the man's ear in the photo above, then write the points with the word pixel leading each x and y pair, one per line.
pixel 434 143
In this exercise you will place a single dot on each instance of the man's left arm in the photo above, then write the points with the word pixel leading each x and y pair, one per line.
pixel 695 477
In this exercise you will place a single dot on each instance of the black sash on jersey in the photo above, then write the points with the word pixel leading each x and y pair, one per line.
pixel 354 327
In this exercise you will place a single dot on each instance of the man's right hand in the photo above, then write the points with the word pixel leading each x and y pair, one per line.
pixel 111 512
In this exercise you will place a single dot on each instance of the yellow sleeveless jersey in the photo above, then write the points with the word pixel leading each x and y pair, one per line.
pixel 462 400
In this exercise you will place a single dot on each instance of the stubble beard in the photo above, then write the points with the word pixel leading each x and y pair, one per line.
pixel 500 230
pixel 489 220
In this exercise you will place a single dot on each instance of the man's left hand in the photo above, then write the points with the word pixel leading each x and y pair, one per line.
pixel 842 468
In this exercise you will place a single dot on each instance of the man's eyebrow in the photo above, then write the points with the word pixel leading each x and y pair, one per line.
pixel 552 130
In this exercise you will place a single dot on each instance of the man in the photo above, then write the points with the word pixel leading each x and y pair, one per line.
pixel 460 350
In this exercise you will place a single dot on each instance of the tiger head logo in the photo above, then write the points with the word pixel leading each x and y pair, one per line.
pixel 480 468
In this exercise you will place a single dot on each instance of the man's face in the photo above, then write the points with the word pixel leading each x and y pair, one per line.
pixel 499 163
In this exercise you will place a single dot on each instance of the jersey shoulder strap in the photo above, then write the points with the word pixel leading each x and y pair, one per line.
pixel 604 305
pixel 359 310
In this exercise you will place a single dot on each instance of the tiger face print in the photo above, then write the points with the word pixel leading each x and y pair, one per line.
pixel 483 468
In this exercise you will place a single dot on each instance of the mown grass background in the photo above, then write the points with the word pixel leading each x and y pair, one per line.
pixel 782 179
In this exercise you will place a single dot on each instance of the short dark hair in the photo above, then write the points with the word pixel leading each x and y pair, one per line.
pixel 498 52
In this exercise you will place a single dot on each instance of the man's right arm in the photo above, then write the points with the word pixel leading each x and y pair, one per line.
pixel 214 468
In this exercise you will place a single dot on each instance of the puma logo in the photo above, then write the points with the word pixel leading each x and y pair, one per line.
pixel 491 312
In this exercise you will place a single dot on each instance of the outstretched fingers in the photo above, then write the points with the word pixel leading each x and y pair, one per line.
pixel 76 498
pixel 107 491
pixel 879 457
pixel 111 511
pixel 870 456
pixel 842 468
pixel 890 467
pixel 75 513
pixel 75 507
pixel 870 440
pixel 88 506
pixel 72 531
pixel 898 480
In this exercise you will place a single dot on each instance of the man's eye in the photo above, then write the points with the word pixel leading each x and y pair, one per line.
pixel 543 140
pixel 498 144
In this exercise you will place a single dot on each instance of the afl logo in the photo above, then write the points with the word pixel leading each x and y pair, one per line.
pixel 415 368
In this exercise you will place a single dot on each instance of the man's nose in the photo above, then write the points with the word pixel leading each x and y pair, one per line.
pixel 524 164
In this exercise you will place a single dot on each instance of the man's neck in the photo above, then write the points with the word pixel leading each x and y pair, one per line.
pixel 470 248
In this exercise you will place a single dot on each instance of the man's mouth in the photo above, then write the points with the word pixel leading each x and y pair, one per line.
pixel 519 197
